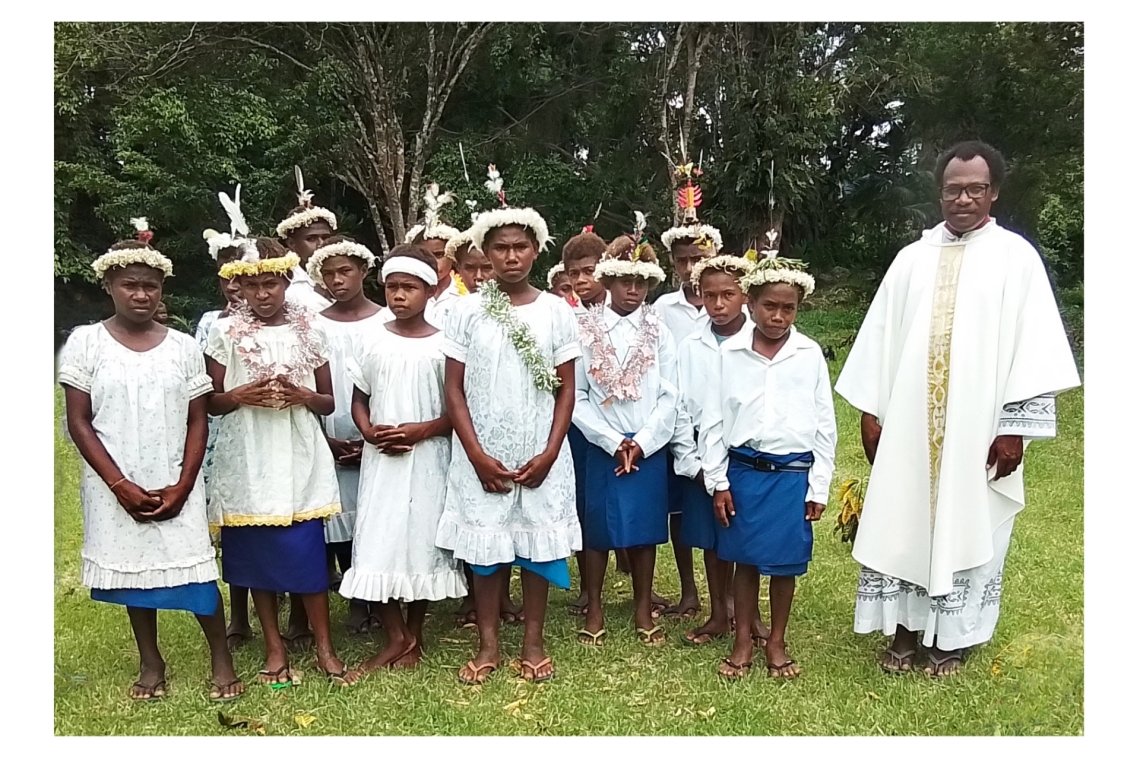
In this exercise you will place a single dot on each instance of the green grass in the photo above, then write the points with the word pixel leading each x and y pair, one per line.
pixel 1028 681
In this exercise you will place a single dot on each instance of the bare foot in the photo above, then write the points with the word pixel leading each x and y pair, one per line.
pixel 397 648
pixel 151 683
pixel 358 621
pixel 411 659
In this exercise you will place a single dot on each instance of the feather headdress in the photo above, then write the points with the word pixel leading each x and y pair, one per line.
pixel 433 226
pixel 505 216
pixel 237 237
pixel 631 255
pixel 306 212
pixel 689 198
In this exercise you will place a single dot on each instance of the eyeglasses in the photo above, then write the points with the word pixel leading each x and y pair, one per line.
pixel 973 192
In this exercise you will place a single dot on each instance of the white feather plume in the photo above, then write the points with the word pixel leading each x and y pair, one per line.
pixel 238 225
pixel 639 224
pixel 433 202
pixel 140 223
pixel 304 197
pixel 494 183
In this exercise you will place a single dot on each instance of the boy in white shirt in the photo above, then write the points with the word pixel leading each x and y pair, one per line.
pixel 767 449
pixel 718 282
pixel 305 229
pixel 626 409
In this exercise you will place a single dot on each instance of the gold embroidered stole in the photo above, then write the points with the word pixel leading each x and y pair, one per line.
pixel 938 361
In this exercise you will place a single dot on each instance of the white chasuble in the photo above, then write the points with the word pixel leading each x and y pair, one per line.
pixel 959 328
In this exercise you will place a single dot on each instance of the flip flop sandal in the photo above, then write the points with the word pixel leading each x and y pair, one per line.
pixel 759 641
pixel 590 639
pixel 220 689
pixel 936 662
pixel 265 676
pixel 153 693
pixel 337 679
pixel 533 668
pixel 735 670
pixel 897 661
pixel 476 670
pixel 466 620
pixel 777 671
pixel 676 612
pixel 656 609
pixel 645 636
pixel 577 610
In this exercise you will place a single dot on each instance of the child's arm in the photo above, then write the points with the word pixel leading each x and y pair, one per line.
pixel 586 415
pixel 137 502
pixel 533 473
pixel 491 472
pixel 711 449
pixel 320 401
pixel 174 497
pixel 823 449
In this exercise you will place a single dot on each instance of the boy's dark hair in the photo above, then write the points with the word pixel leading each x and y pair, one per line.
pixel 967 151
pixel 413 251
pixel 269 248
pixel 584 245
pixel 228 254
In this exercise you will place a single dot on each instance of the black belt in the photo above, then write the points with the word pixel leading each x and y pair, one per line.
pixel 759 463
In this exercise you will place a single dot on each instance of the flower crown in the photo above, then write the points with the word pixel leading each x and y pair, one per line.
pixel 641 262
pixel 555 270
pixel 126 256
pixel 505 216
pixel 737 266
pixel 343 248
pixel 704 236
pixel 309 214
pixel 250 265
pixel 770 267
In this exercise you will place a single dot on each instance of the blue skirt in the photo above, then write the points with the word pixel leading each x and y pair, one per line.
pixel 698 523
pixel 199 598
pixel 627 511
pixel 556 571
pixel 281 558
pixel 769 530
pixel 578 446
pixel 676 485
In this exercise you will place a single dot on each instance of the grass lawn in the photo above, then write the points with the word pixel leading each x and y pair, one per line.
pixel 1028 680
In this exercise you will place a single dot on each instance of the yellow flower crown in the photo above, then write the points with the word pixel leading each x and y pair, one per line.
pixel 282 265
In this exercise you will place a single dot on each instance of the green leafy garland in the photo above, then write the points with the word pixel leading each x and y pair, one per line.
pixel 498 307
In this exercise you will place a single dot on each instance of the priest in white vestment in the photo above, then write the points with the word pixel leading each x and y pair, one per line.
pixel 955 368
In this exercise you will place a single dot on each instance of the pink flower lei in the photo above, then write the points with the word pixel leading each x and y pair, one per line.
pixel 243 330
pixel 620 382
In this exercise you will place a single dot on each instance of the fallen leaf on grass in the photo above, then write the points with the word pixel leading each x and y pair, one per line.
pixel 678 713
pixel 460 702
pixel 872 695
pixel 515 705
pixel 995 669
pixel 304 721
pixel 707 713
pixel 452 641
pixel 230 722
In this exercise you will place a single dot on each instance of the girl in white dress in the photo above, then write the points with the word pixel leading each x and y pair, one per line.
pixel 274 477
pixel 509 385
pixel 341 266
pixel 136 410
pixel 398 404
pixel 626 409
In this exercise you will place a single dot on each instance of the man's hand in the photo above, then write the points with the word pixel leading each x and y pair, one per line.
pixel 1005 455
pixel 871 430
pixel 813 510
pixel 137 502
pixel 533 473
pixel 723 507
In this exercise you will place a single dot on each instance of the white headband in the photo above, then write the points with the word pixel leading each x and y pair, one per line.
pixel 409 265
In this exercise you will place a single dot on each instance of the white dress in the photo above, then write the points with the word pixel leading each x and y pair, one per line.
pixel 271 466
pixel 401 496
pixel 512 419
pixel 139 407
pixel 344 341
pixel 302 290
pixel 200 334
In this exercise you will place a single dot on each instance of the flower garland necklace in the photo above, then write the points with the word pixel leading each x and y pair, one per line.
pixel 620 382
pixel 498 307
pixel 243 330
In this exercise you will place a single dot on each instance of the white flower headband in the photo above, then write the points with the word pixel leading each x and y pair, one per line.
pixel 615 268
pixel 771 268
pixel 436 232
pixel 311 213
pixel 410 266
pixel 455 242
pixel 703 235
pixel 505 216
pixel 126 256
pixel 555 270
pixel 343 248
pixel 737 266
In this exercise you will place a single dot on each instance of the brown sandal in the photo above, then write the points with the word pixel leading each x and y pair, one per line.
pixel 533 668
pixel 476 678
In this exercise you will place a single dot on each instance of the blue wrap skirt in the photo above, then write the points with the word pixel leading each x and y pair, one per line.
pixel 199 598
pixel 627 511
pixel 281 558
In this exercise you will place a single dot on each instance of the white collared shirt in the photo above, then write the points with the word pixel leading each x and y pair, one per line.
pixel 652 417
pixel 695 355
pixel 781 405
pixel 439 307
pixel 681 317
pixel 302 290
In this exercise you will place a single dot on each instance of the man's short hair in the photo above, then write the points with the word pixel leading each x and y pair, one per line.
pixel 967 151
pixel 584 245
